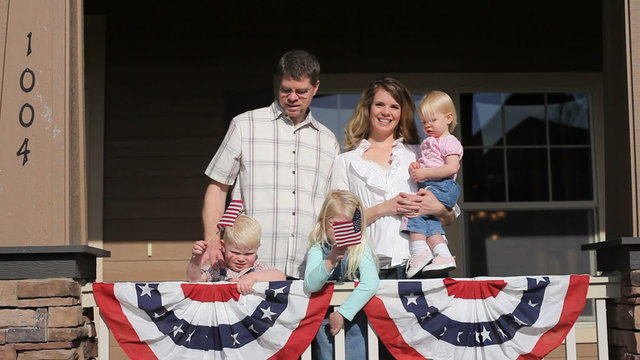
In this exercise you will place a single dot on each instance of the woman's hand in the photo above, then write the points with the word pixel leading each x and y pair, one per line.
pixel 336 322
pixel 409 205
pixel 428 205
pixel 398 205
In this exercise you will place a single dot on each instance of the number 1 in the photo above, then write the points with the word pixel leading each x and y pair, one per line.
pixel 29 45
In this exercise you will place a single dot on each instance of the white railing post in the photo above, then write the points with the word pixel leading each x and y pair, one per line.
pixel 372 342
pixel 570 344
pixel 339 343
pixel 306 355
pixel 600 289
pixel 601 329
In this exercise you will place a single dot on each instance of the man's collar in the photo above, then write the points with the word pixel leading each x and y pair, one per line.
pixel 280 114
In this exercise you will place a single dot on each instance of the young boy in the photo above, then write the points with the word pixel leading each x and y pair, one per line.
pixel 240 245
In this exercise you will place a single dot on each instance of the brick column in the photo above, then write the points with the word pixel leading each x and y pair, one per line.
pixel 41 312
pixel 44 319
pixel 622 255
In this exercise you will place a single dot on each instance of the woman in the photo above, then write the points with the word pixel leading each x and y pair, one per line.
pixel 382 141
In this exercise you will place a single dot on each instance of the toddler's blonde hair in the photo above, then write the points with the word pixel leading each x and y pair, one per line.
pixel 246 231
pixel 438 101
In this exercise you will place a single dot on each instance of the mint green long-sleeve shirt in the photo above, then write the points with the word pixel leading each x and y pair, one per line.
pixel 316 275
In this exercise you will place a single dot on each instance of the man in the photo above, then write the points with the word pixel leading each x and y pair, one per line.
pixel 279 161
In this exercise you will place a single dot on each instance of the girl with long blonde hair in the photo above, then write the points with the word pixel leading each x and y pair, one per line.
pixel 327 260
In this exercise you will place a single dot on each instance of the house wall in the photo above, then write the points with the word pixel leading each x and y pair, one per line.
pixel 176 74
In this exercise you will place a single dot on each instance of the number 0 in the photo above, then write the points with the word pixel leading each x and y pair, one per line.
pixel 33 80
pixel 21 116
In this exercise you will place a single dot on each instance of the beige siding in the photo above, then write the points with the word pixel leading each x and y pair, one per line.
pixel 130 261
pixel 585 352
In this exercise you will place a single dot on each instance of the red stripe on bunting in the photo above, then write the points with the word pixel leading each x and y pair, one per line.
pixel 387 331
pixel 573 305
pixel 473 289
pixel 120 327
pixel 308 327
pixel 221 292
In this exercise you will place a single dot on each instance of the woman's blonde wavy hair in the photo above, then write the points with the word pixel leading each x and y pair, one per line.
pixel 342 202
pixel 359 126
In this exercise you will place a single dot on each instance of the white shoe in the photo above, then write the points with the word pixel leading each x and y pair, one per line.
pixel 440 264
pixel 416 263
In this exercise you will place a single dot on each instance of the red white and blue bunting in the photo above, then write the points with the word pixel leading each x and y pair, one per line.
pixel 480 318
pixel 172 320
pixel 506 318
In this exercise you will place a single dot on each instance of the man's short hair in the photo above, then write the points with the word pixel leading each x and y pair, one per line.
pixel 299 64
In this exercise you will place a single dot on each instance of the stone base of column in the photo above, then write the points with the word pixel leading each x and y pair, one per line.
pixel 44 319
pixel 622 255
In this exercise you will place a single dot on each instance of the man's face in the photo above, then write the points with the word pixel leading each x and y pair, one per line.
pixel 294 96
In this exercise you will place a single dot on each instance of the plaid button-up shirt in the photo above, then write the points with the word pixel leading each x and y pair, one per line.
pixel 282 173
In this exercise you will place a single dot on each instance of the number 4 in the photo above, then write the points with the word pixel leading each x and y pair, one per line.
pixel 24 151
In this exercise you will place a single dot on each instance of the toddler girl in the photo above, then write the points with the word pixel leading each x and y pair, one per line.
pixel 436 170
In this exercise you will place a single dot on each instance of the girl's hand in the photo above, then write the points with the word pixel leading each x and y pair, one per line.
pixel 336 322
pixel 418 174
pixel 336 254
pixel 334 257
pixel 245 284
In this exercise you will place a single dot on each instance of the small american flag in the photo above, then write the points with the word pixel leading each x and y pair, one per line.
pixel 348 232
pixel 230 215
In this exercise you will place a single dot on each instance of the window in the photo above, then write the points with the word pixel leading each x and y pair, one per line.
pixel 528 182
pixel 334 111
pixel 526 147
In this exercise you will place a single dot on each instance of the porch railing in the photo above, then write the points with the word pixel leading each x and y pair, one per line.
pixel 600 289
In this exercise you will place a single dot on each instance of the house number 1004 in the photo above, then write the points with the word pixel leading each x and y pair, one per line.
pixel 27 113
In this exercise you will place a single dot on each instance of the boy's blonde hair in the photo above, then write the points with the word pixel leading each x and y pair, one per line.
pixel 438 101
pixel 245 232
pixel 342 202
